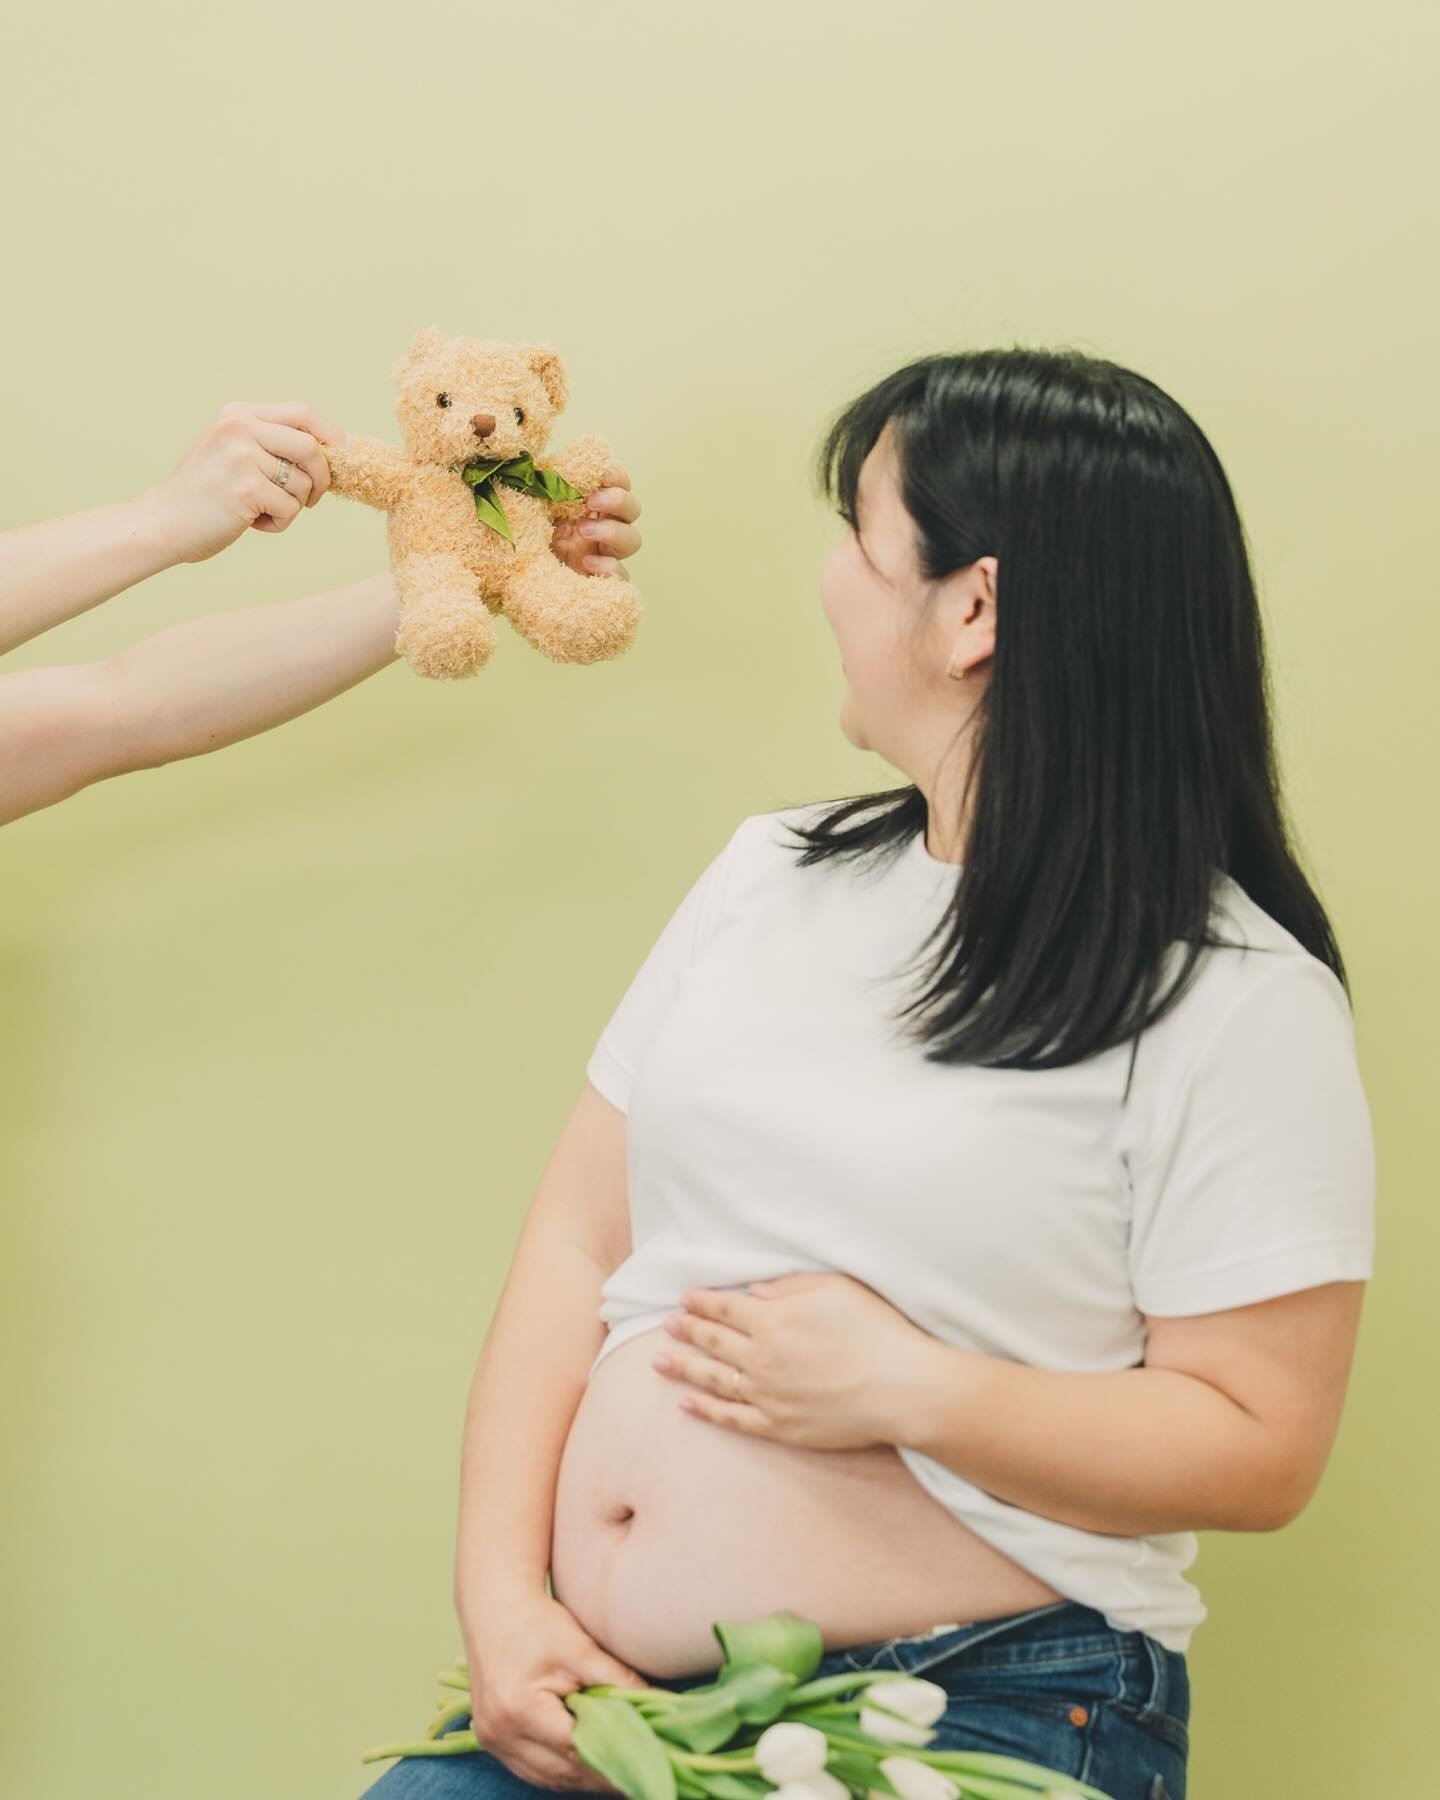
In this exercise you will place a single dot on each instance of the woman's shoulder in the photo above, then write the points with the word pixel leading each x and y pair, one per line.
pixel 1256 948
pixel 1257 979
pixel 772 834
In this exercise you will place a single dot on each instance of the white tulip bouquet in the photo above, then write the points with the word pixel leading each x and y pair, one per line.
pixel 763 1727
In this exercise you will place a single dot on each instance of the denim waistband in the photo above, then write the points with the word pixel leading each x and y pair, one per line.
pixel 1154 1680
pixel 1059 1619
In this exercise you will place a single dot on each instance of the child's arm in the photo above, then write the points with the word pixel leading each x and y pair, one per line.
pixel 51 571
pixel 210 682
pixel 191 688
pixel 224 485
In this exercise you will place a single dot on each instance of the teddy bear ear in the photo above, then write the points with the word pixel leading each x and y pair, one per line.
pixel 544 359
pixel 428 338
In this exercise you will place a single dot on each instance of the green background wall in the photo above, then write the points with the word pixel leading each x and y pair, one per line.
pixel 288 1032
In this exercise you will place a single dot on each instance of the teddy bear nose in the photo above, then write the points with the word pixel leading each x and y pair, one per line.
pixel 484 423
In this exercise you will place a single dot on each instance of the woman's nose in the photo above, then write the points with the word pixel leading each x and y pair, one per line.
pixel 484 423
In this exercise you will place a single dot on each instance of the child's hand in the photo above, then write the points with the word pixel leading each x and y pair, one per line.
pixel 227 480
pixel 613 512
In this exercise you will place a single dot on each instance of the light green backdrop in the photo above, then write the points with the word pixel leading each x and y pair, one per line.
pixel 288 1032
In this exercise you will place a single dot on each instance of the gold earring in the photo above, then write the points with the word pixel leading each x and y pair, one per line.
pixel 954 673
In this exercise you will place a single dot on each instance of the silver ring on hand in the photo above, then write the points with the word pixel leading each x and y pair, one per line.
pixel 282 473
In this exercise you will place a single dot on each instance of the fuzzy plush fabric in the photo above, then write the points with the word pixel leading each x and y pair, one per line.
pixel 470 400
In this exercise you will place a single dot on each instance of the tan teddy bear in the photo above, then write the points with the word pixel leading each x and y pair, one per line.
pixel 470 512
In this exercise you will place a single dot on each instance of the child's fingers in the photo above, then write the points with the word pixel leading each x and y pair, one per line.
pixel 614 503
pixel 610 536
pixel 605 565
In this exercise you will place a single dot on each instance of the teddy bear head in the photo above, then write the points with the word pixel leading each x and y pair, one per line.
pixel 461 400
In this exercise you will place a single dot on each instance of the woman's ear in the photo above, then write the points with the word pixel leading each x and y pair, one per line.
pixel 544 359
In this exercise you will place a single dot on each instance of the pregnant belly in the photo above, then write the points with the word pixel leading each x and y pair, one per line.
pixel 664 1522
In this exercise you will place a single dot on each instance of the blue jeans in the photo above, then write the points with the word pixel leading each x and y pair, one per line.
pixel 1057 1686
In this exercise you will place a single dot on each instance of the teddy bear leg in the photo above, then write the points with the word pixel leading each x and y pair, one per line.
pixel 445 630
pixel 571 617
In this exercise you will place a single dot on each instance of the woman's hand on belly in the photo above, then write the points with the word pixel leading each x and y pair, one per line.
pixel 819 1360
pixel 523 1660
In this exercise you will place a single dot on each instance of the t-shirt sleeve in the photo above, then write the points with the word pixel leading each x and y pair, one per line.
pixel 626 1037
pixel 1261 1179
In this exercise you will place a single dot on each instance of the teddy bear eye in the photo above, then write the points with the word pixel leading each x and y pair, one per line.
pixel 442 400
pixel 519 416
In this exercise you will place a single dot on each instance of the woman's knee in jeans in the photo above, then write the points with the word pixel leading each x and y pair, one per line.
pixel 474 1776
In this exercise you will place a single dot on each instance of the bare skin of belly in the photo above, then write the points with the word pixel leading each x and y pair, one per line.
pixel 665 1522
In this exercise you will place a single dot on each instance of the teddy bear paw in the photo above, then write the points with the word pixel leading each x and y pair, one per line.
pixel 446 639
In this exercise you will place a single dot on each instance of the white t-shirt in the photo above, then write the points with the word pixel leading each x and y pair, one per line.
pixel 777 1122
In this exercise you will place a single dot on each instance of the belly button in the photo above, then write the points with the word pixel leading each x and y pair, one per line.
pixel 621 1513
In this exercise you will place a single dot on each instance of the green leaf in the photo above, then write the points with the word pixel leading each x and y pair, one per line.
pixel 856 1770
pixel 724 1786
pixel 518 472
pixel 706 1718
pixel 613 1740
pixel 972 1767
pixel 488 511
pixel 556 486
pixel 782 1639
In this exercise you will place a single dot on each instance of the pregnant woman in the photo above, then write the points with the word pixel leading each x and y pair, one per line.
pixel 972 1194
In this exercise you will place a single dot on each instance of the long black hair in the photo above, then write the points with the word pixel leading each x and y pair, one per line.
pixel 1122 752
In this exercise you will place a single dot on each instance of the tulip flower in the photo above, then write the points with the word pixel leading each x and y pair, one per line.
pixel 790 1752
pixel 913 1780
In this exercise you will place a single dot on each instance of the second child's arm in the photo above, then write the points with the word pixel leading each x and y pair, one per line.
pixel 210 682
pixel 194 687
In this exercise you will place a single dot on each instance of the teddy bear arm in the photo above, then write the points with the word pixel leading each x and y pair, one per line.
pixel 368 470
pixel 584 465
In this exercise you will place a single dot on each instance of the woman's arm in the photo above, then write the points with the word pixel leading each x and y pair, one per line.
pixel 536 1357
pixel 194 687
pixel 222 486
pixel 1226 1426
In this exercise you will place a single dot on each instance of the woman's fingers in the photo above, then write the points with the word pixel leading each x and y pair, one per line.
pixel 310 473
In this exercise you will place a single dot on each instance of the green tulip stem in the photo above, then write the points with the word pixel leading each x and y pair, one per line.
pixel 447 1716
pixel 454 1743
pixel 638 1694
pixel 735 1764
pixel 838 1684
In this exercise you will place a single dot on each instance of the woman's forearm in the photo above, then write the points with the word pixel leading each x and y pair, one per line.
pixel 1135 1452
pixel 52 570
pixel 527 1385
